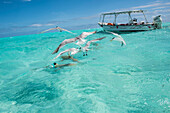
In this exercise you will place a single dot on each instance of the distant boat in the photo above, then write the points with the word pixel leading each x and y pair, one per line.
pixel 132 25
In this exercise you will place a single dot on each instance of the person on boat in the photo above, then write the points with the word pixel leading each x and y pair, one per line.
pixel 133 21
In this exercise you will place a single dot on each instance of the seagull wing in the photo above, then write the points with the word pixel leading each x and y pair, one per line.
pixel 118 38
pixel 56 50
pixel 62 53
pixel 66 41
pixel 74 51
pixel 47 30
pixel 58 28
pixel 115 34
pixel 64 30
pixel 89 42
pixel 97 39
pixel 85 34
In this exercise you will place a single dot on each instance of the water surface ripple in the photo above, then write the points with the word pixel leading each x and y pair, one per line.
pixel 132 78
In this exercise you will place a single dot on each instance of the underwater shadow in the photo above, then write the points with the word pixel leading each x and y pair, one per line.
pixel 35 93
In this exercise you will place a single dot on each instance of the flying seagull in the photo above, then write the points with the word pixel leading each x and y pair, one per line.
pixel 85 48
pixel 118 38
pixel 79 38
pixel 71 51
pixel 57 28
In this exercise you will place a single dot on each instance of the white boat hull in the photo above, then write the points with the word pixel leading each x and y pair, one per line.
pixel 127 28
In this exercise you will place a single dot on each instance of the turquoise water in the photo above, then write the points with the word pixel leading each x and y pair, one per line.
pixel 111 79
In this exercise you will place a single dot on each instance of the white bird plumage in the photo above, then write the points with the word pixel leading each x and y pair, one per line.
pixel 71 50
pixel 57 28
pixel 79 38
pixel 86 47
pixel 118 38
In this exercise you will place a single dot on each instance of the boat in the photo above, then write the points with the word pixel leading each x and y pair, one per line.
pixel 131 25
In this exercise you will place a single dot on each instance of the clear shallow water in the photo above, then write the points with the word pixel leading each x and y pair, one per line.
pixel 132 78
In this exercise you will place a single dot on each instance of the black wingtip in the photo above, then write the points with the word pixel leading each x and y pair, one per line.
pixel 122 44
pixel 113 38
pixel 53 52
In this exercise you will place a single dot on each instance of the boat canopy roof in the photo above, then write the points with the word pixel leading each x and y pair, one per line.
pixel 123 12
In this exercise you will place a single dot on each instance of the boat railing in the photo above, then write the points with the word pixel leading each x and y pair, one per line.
pixel 127 24
pixel 131 21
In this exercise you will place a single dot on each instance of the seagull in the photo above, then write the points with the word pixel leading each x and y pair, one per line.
pixel 85 48
pixel 83 35
pixel 79 38
pixel 57 28
pixel 118 38
pixel 72 50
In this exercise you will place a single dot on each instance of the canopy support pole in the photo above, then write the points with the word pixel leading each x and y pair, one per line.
pixel 103 19
pixel 130 17
pixel 115 18
pixel 145 17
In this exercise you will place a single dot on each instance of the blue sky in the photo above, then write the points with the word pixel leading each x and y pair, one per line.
pixel 22 17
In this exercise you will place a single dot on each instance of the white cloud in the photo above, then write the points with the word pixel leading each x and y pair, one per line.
pixel 27 0
pixel 48 24
pixel 7 2
pixel 151 10
pixel 86 18
pixel 159 7
pixel 152 5
pixel 40 25
pixel 162 11
pixel 168 3
pixel 146 6
pixel 36 25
